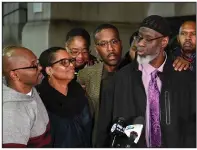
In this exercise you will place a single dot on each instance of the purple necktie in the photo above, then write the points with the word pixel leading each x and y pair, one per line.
pixel 153 97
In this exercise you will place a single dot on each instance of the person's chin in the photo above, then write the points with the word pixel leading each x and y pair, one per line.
pixel 78 65
pixel 113 62
pixel 144 59
pixel 188 49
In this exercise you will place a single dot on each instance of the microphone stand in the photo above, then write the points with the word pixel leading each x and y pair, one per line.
pixel 113 141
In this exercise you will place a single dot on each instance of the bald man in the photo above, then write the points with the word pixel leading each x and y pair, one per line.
pixel 25 119
pixel 186 53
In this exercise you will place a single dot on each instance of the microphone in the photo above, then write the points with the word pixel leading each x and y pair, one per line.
pixel 118 129
pixel 134 131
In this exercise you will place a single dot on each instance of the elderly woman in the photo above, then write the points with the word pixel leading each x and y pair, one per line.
pixel 65 100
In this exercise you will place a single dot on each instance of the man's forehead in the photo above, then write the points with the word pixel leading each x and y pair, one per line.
pixel 105 33
pixel 189 26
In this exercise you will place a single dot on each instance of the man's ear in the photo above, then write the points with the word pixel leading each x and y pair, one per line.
pixel 165 41
pixel 121 43
pixel 97 53
pixel 66 47
pixel 14 76
pixel 178 40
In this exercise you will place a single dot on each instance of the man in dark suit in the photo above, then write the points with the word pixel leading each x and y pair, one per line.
pixel 151 88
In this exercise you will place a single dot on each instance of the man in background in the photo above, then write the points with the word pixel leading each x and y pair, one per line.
pixel 185 53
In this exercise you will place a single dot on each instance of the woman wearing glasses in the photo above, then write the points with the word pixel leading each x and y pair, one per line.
pixel 65 100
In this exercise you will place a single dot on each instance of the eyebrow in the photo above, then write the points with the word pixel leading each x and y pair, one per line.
pixel 146 35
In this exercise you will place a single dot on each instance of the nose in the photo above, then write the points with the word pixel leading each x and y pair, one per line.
pixel 72 65
pixel 188 36
pixel 80 55
pixel 141 43
pixel 110 47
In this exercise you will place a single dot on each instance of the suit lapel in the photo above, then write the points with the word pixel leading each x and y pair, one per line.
pixel 141 94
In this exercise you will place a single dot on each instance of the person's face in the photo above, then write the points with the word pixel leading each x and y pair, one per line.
pixel 62 67
pixel 108 46
pixel 79 50
pixel 187 37
pixel 28 68
pixel 148 49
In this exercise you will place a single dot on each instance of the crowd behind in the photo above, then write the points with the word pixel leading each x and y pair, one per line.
pixel 68 98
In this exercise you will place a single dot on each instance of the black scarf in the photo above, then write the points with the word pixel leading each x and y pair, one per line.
pixel 59 104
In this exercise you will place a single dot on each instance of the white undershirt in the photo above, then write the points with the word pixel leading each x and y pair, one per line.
pixel 30 93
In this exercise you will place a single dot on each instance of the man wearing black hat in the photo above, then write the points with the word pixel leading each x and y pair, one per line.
pixel 152 89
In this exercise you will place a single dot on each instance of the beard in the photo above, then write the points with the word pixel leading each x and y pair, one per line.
pixel 146 59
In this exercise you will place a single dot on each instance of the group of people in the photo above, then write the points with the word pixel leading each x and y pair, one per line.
pixel 69 98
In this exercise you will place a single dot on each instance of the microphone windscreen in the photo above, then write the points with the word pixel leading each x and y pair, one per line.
pixel 134 130
pixel 139 120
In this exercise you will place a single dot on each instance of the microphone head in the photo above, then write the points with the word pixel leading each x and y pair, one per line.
pixel 139 120
pixel 134 130
pixel 118 126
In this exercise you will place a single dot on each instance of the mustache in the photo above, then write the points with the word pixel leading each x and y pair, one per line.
pixel 110 54
pixel 139 48
pixel 187 42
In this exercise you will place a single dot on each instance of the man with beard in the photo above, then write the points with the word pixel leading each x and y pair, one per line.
pixel 185 53
pixel 25 119
pixel 152 89
pixel 96 78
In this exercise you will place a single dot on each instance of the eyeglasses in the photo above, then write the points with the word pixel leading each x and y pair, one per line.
pixel 138 38
pixel 35 66
pixel 184 33
pixel 113 42
pixel 77 51
pixel 65 62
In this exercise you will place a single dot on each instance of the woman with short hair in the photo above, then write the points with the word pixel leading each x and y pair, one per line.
pixel 65 100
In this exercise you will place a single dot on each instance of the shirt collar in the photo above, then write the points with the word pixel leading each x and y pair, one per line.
pixel 30 93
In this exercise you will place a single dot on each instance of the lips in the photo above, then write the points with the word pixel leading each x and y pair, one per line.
pixel 187 44
pixel 140 52
pixel 112 56
pixel 79 61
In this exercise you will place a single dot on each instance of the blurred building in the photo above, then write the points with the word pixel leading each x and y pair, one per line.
pixel 42 25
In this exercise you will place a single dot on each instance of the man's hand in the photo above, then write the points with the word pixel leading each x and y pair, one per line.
pixel 180 64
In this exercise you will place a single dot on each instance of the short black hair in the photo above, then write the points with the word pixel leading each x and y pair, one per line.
pixel 132 37
pixel 79 32
pixel 47 56
pixel 104 26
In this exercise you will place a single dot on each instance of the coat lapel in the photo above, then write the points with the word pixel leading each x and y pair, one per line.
pixel 97 79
